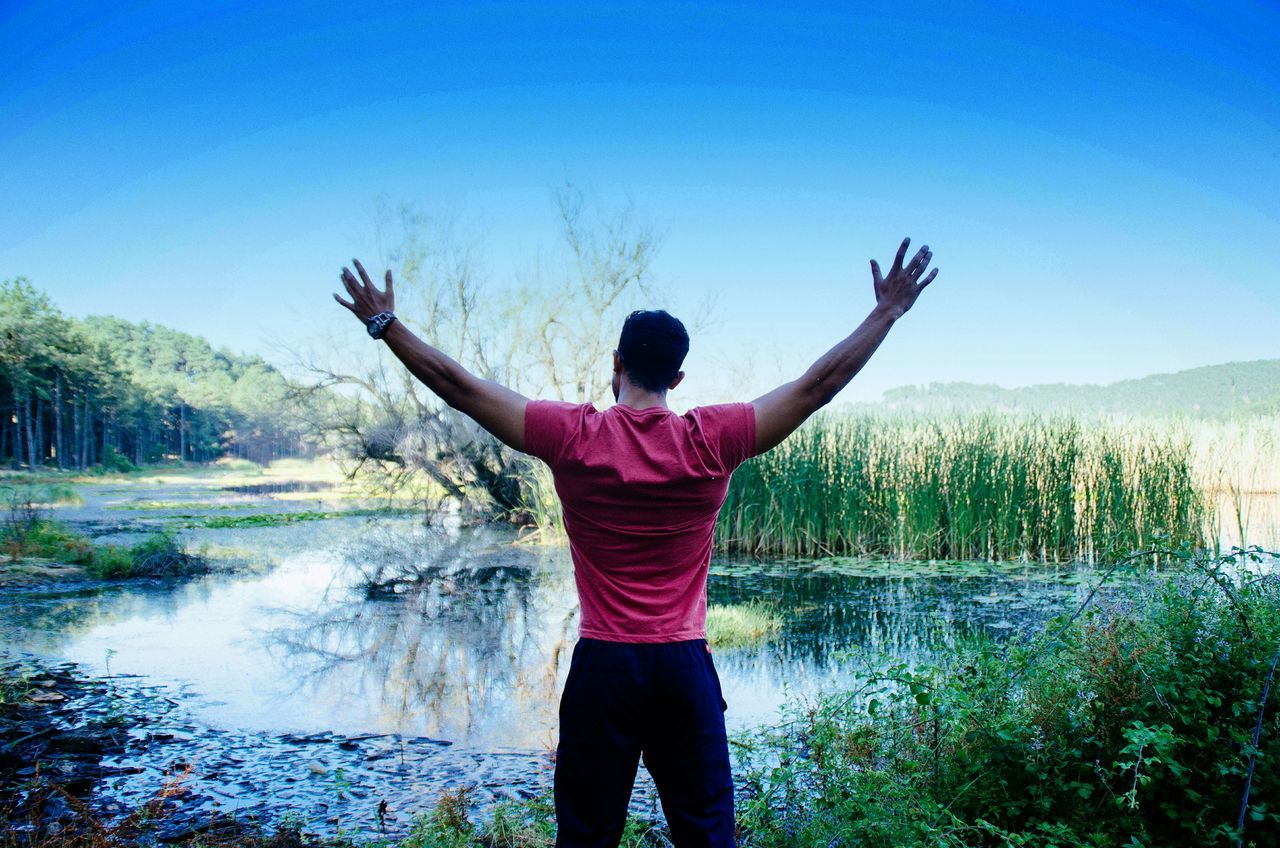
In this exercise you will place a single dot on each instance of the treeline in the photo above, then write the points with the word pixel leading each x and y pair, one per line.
pixel 1232 391
pixel 103 391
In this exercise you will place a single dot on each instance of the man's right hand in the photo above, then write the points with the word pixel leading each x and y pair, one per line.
pixel 896 292
pixel 366 301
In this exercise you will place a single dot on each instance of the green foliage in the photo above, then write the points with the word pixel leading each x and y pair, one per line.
pixel 512 824
pixel 26 532
pixel 1131 724
pixel 111 394
pixel 276 519
pixel 47 540
pixel 158 555
pixel 964 488
pixel 114 462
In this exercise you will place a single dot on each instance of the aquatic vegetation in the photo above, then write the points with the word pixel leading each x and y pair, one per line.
pixel 276 519
pixel 26 533
pixel 159 555
pixel 1147 721
pixel 739 625
pixel 146 506
pixel 965 488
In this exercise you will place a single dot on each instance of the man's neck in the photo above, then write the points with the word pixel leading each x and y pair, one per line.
pixel 637 398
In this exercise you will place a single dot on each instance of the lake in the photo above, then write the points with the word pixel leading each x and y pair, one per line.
pixel 392 657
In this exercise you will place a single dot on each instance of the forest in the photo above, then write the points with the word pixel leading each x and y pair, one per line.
pixel 106 392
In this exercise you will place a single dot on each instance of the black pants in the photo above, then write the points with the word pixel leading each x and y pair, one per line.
pixel 661 701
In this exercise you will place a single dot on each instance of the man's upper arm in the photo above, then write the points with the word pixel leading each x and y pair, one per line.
pixel 494 407
pixel 781 411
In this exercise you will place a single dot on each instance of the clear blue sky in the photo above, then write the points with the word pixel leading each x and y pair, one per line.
pixel 1098 181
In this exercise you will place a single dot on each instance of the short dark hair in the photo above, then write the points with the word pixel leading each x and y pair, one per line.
pixel 652 348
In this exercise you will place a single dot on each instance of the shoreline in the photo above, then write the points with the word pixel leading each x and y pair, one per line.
pixel 78 752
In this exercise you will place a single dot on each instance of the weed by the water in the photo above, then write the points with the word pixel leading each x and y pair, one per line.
pixel 528 823
pixel 276 519
pixel 26 532
pixel 158 555
pixel 203 506
pixel 965 488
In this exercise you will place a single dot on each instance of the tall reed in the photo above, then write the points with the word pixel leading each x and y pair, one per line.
pixel 964 488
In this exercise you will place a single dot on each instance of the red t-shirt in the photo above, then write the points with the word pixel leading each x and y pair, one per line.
pixel 641 489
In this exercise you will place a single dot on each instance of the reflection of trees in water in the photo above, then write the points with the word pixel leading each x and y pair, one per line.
pixel 449 632
pixel 51 619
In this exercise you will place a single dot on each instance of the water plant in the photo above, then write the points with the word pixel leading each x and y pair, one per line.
pixel 276 519
pixel 975 487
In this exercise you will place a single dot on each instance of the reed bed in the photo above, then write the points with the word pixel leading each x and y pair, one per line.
pixel 966 488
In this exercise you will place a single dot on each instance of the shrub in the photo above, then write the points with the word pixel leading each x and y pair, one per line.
pixel 159 555
pixel 114 462
pixel 1132 724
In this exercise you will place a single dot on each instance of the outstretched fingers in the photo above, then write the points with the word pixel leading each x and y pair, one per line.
pixel 350 283
pixel 347 304
pixel 364 278
pixel 902 254
pixel 919 262
pixel 927 280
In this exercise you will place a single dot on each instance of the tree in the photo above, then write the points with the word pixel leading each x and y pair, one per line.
pixel 549 336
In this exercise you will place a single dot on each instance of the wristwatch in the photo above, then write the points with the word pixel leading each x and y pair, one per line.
pixel 378 324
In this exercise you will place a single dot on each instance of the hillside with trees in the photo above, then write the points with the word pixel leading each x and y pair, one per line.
pixel 1231 390
pixel 103 391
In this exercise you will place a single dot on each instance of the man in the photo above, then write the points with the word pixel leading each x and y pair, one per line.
pixel 641 488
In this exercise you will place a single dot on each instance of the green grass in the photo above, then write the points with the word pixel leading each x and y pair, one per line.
pixel 158 555
pixel 15 683
pixel 512 824
pixel 25 489
pixel 965 488
pixel 741 625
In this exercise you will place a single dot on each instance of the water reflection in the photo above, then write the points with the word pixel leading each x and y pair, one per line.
pixel 447 635
pixel 387 626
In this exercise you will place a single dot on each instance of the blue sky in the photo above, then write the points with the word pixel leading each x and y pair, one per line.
pixel 1098 181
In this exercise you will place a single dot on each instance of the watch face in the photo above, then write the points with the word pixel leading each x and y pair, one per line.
pixel 378 324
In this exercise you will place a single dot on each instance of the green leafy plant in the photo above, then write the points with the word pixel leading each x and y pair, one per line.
pixel 1147 721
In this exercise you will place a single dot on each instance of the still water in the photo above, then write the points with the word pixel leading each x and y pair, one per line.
pixel 351 661
pixel 470 642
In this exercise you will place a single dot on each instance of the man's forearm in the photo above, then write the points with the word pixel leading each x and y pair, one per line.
pixel 835 368
pixel 437 371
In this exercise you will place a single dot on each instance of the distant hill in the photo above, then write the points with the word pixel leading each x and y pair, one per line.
pixel 1232 390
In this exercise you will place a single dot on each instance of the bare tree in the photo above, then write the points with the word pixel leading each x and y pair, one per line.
pixel 549 336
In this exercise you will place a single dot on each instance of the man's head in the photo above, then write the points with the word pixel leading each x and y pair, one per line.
pixel 650 351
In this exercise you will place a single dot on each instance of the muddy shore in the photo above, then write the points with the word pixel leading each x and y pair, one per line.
pixel 125 754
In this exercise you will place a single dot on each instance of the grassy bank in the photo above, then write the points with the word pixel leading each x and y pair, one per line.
pixel 965 488
pixel 29 536
pixel 1144 723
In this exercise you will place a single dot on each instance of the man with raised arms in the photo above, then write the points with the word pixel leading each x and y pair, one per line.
pixel 641 487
